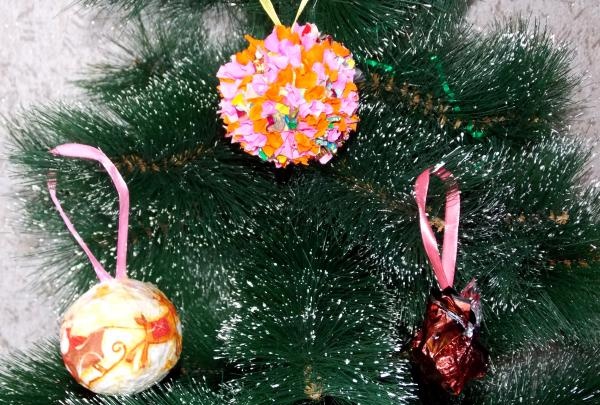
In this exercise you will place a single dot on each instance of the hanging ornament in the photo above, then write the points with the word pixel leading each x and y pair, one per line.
pixel 123 335
pixel 446 349
pixel 290 98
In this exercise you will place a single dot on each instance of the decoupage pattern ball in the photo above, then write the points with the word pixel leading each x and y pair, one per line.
pixel 290 98
pixel 120 337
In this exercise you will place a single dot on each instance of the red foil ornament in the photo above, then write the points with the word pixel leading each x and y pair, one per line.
pixel 446 348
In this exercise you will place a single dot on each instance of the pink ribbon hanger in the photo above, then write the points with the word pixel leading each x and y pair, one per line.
pixel 444 266
pixel 75 150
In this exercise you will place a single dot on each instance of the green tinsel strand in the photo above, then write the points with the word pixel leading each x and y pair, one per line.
pixel 378 65
pixel 477 134
pixel 387 68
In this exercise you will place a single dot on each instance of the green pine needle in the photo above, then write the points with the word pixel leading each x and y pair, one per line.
pixel 37 377
pixel 548 375
pixel 189 392
pixel 310 324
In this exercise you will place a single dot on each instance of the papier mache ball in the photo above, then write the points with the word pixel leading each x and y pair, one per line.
pixel 120 337
pixel 290 98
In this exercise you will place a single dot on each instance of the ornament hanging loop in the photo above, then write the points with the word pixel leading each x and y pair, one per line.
pixel 80 151
pixel 443 266
pixel 270 10
pixel 300 10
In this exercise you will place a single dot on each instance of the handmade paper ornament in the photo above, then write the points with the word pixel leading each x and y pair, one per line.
pixel 123 335
pixel 290 98
pixel 446 348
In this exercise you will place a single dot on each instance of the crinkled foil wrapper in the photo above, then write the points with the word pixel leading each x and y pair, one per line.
pixel 447 349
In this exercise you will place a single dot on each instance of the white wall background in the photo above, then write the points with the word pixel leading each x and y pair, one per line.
pixel 46 44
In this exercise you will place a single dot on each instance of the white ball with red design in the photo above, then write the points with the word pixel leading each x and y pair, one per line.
pixel 120 337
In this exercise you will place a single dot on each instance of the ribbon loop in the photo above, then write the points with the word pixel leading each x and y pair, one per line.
pixel 75 150
pixel 444 266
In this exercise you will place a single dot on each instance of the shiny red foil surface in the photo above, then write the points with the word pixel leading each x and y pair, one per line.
pixel 446 348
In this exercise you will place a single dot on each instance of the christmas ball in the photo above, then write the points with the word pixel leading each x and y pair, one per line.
pixel 120 337
pixel 291 97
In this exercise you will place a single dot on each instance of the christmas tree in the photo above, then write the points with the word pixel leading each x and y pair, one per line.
pixel 306 284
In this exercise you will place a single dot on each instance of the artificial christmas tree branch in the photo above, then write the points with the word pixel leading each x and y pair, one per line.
pixel 306 285
pixel 552 374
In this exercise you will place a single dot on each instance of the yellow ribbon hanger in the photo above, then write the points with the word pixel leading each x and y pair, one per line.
pixel 270 10
pixel 268 6
pixel 300 10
